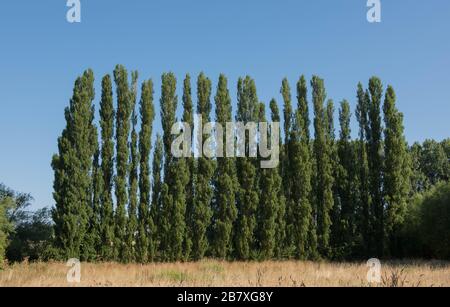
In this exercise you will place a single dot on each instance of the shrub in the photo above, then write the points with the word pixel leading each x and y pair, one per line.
pixel 426 231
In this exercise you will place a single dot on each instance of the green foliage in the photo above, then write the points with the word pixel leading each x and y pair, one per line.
pixel 426 230
pixel 188 117
pixel 156 213
pixel 176 177
pixel 6 227
pixel 107 114
pixel 72 167
pixel 132 226
pixel 301 232
pixel 303 109
pixel 93 237
pixel 331 198
pixel 269 190
pixel 146 225
pixel 247 195
pixel 286 170
pixel 375 150
pixel 396 182
pixel 280 201
pixel 225 182
pixel 324 177
pixel 124 110
pixel 202 213
pixel 23 234
pixel 346 181
pixel 177 212
pixel 364 206
pixel 32 237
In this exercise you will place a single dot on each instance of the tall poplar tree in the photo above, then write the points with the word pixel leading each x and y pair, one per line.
pixel 304 232
pixel 286 163
pixel 93 237
pixel 188 118
pixel 122 151
pixel 280 219
pixel 175 178
pixel 302 100
pixel 375 152
pixel 132 225
pixel 225 182
pixel 335 169
pixel 107 168
pixel 247 196
pixel 303 127
pixel 73 168
pixel 168 108
pixel 146 225
pixel 202 212
pixel 396 185
pixel 270 190
pixel 346 188
pixel 364 197
pixel 324 178
pixel 156 209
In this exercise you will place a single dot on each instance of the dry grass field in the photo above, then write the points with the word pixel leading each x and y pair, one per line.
pixel 216 273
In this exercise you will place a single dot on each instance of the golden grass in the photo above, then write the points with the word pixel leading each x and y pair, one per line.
pixel 234 274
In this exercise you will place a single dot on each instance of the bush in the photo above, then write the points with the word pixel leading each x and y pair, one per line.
pixel 32 237
pixel 426 231
pixel 435 228
pixel 6 204
pixel 23 234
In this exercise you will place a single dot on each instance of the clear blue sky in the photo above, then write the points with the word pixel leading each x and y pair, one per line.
pixel 41 54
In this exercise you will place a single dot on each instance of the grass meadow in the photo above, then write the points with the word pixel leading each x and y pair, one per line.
pixel 209 273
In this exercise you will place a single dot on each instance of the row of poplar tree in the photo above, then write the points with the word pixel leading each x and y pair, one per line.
pixel 330 197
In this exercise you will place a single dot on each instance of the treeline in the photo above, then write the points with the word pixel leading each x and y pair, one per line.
pixel 333 197
pixel 23 234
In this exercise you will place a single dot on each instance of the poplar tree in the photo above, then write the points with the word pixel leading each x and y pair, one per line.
pixel 156 209
pixel 335 169
pixel 168 108
pixel 202 212
pixel 146 225
pixel 247 196
pixel 303 126
pixel 346 187
pixel 331 136
pixel 107 168
pixel 132 226
pixel 188 118
pixel 286 163
pixel 177 192
pixel 324 179
pixel 73 168
pixel 270 188
pixel 93 237
pixel 375 150
pixel 364 196
pixel 122 151
pixel 304 236
pixel 280 218
pixel 175 178
pixel 302 99
pixel 225 183
pixel 396 185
